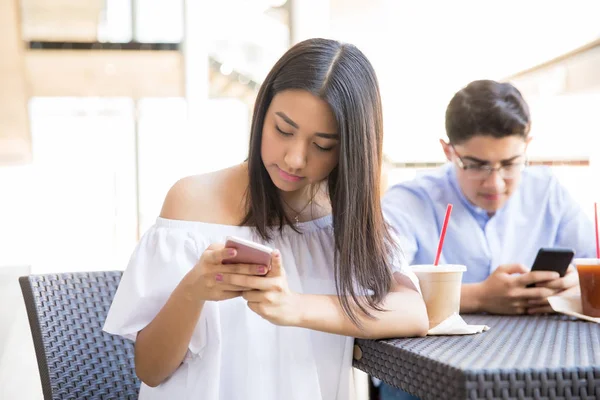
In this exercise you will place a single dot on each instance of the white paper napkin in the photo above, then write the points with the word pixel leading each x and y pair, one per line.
pixel 570 305
pixel 455 325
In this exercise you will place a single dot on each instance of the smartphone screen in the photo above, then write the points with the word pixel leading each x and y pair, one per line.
pixel 553 259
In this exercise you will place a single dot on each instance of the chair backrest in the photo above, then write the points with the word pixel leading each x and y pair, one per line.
pixel 76 359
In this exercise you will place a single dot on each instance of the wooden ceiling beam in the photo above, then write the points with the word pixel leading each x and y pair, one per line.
pixel 108 73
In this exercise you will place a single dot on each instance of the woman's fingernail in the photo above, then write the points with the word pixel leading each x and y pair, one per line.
pixel 276 253
pixel 219 277
pixel 231 252
pixel 261 270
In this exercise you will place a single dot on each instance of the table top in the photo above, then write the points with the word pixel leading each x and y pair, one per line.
pixel 519 357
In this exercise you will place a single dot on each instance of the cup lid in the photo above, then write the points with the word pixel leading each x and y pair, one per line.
pixel 438 268
pixel 586 261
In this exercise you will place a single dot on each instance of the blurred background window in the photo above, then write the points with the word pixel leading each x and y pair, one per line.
pixel 106 103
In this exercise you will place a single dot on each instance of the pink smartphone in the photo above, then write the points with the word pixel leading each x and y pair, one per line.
pixel 248 252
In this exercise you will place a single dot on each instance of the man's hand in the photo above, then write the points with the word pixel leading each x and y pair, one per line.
pixel 505 291
pixel 563 286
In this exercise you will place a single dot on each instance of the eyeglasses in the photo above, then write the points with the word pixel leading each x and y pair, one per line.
pixel 477 171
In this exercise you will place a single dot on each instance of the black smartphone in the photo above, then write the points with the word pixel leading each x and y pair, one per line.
pixel 553 259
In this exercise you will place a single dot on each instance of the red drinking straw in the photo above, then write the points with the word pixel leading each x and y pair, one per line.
pixel 443 234
pixel 596 224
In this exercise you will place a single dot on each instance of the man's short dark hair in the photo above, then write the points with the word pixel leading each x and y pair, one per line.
pixel 487 108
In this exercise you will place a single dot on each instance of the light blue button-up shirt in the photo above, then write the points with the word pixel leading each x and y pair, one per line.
pixel 540 213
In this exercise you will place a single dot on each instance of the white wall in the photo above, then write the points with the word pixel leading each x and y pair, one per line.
pixel 424 51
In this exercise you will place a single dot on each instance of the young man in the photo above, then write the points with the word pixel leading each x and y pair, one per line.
pixel 503 211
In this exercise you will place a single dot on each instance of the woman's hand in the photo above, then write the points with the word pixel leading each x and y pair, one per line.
pixel 270 297
pixel 208 275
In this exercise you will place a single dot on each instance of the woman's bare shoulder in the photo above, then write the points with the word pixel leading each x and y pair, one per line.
pixel 210 197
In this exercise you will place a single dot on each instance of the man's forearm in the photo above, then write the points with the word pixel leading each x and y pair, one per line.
pixel 470 298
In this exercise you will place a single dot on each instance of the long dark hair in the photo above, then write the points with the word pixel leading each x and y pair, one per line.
pixel 342 76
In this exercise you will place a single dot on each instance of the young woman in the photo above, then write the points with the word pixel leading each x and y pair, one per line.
pixel 310 190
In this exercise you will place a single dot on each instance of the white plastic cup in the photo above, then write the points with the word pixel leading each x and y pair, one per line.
pixel 440 286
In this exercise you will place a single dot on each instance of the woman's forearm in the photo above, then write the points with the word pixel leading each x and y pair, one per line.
pixel 161 346
pixel 404 315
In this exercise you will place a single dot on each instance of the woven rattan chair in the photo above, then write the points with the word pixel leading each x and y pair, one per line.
pixel 76 359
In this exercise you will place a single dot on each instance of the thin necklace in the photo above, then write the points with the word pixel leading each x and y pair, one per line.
pixel 297 217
